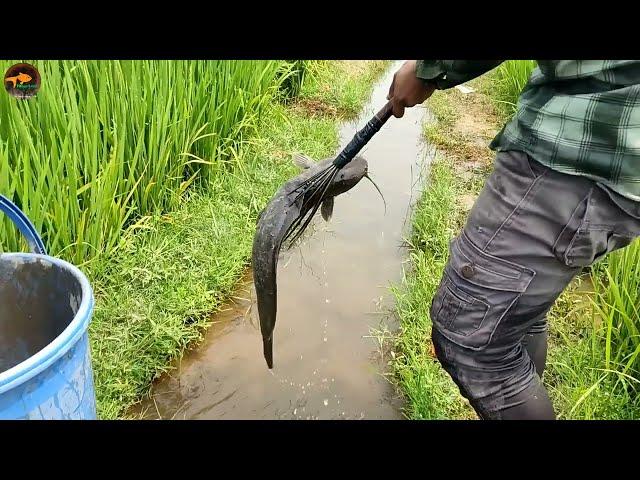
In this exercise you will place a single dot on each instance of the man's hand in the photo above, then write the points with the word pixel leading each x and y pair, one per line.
pixel 407 90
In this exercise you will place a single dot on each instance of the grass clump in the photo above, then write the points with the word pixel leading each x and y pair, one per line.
pixel 430 392
pixel 595 369
pixel 339 88
pixel 508 81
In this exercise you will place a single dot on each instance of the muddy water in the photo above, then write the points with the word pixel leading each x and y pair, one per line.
pixel 333 290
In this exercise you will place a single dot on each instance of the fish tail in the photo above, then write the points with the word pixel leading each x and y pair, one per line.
pixel 268 351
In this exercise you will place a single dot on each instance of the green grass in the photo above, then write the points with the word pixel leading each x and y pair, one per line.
pixel 617 300
pixel 345 93
pixel 595 369
pixel 293 74
pixel 106 143
pixel 430 392
pixel 156 291
pixel 440 132
pixel 508 81
pixel 580 384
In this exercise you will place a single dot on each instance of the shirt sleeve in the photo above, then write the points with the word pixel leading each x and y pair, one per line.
pixel 449 73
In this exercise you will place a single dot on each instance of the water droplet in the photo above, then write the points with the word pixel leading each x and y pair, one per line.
pixel 326 284
pixel 325 339
pixel 326 402
pixel 295 410
pixel 327 300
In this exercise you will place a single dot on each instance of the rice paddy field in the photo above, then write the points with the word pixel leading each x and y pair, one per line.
pixel 149 176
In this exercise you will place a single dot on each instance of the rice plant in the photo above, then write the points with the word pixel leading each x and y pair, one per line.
pixel 106 143
pixel 617 301
pixel 293 73
pixel 510 79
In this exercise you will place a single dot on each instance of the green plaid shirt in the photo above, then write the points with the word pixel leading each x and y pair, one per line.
pixel 580 117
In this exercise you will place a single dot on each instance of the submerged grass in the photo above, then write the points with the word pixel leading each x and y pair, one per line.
pixel 156 292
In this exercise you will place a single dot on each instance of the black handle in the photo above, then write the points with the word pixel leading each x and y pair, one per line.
pixel 362 137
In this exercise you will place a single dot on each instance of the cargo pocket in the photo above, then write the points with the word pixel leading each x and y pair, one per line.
pixel 476 292
pixel 593 231
pixel 590 245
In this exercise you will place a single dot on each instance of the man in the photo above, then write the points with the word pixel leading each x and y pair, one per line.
pixel 564 192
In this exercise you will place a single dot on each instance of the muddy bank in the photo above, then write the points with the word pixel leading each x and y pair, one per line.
pixel 333 290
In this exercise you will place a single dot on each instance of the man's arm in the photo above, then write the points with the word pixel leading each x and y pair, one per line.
pixel 416 80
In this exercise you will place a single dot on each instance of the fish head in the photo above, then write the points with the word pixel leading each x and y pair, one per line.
pixel 348 176
pixel 24 77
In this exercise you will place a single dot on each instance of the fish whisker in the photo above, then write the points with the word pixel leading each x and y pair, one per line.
pixel 366 175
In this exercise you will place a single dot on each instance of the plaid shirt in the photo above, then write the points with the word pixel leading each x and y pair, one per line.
pixel 580 117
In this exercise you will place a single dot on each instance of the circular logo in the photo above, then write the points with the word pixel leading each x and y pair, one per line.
pixel 22 80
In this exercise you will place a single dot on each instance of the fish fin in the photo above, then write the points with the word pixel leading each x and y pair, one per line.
pixel 327 208
pixel 303 161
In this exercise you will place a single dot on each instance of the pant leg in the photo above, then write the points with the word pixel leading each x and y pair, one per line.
pixel 527 236
pixel 535 342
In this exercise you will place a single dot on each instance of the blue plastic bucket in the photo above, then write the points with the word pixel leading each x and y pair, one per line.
pixel 45 310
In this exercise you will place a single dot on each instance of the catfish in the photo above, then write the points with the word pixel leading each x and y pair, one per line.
pixel 273 223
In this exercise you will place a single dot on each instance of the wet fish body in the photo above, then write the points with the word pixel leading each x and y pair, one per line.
pixel 273 224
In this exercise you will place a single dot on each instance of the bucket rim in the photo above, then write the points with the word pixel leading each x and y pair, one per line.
pixel 41 360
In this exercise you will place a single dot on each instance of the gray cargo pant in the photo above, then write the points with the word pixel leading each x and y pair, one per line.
pixel 531 230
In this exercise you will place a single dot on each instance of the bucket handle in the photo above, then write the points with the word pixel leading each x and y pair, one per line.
pixel 24 225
